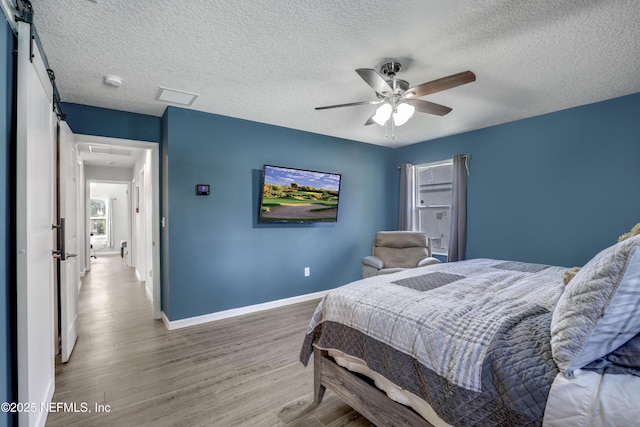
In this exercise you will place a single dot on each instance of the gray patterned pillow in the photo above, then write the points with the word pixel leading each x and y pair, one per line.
pixel 597 311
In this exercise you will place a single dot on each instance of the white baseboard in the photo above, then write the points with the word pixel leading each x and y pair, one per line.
pixel 148 292
pixel 98 253
pixel 219 315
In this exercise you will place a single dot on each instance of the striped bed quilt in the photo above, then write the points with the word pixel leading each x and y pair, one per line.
pixel 471 338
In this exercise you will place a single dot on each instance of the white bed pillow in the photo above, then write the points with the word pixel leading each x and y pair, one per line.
pixel 598 310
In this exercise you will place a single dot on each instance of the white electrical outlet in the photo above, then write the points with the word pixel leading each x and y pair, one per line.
pixel 307 271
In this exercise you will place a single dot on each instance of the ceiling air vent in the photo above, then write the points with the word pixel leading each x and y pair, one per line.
pixel 98 149
pixel 175 96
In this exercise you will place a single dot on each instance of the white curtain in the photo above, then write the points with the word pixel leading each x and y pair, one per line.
pixel 458 242
pixel 406 220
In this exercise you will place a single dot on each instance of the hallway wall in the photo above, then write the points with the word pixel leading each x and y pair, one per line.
pixel 104 173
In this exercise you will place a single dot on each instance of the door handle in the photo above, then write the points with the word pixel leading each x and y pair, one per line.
pixel 71 255
pixel 61 253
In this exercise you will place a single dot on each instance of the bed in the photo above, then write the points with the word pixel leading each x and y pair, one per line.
pixel 485 342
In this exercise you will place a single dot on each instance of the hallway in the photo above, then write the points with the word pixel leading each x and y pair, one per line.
pixel 116 328
pixel 241 371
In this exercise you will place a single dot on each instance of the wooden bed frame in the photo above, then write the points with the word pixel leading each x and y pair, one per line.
pixel 360 394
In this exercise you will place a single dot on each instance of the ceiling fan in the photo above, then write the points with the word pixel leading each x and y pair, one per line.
pixel 399 100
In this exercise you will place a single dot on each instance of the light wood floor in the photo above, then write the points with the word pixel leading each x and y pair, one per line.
pixel 242 371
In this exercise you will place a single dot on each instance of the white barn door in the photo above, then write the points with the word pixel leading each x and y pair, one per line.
pixel 34 234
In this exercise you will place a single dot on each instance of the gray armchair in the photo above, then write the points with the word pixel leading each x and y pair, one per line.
pixel 396 251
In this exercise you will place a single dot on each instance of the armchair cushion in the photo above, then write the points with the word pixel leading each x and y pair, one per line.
pixel 403 249
pixel 397 250
pixel 401 239
pixel 401 257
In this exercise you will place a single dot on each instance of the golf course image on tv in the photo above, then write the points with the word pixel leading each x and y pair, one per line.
pixel 297 195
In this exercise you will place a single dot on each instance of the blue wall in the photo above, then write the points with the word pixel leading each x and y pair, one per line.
pixel 556 188
pixel 86 120
pixel 218 256
pixel 7 46
pixel 214 253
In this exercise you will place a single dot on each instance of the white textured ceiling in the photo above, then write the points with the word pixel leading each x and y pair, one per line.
pixel 106 154
pixel 274 61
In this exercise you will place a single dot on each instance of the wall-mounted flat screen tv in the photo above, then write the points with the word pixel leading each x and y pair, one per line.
pixel 298 196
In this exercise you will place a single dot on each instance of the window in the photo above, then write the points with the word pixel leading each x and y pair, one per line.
pixel 98 217
pixel 433 203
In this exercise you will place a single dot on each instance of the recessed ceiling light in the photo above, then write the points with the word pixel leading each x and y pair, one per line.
pixel 176 96
pixel 114 81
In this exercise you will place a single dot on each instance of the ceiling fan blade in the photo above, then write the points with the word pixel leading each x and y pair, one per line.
pixel 350 104
pixel 442 84
pixel 375 80
pixel 428 107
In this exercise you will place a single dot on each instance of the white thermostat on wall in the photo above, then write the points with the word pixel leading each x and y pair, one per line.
pixel 202 189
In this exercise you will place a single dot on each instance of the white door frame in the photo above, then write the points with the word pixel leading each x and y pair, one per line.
pixel 155 180
pixel 68 264
pixel 139 220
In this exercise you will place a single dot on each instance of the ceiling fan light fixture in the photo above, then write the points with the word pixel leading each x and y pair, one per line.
pixel 397 100
pixel 402 113
pixel 383 113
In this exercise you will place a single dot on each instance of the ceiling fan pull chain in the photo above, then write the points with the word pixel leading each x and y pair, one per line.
pixel 393 128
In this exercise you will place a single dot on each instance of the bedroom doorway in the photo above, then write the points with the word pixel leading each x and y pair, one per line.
pixel 109 222
pixel 120 161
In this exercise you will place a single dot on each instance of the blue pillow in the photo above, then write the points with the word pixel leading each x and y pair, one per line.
pixel 623 360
